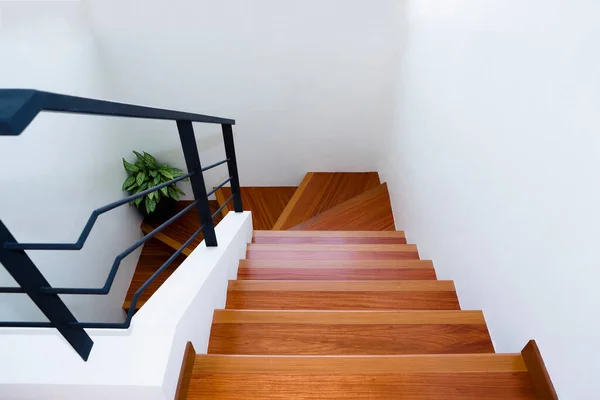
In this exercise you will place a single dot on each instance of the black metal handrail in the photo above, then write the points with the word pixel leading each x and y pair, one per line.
pixel 18 107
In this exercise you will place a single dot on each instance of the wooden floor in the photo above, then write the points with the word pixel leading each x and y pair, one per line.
pixel 370 210
pixel 176 234
pixel 320 191
pixel 266 203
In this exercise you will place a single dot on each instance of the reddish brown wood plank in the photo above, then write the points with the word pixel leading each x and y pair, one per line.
pixel 342 295
pixel 336 274
pixel 370 210
pixel 348 333
pixel 431 377
pixel 185 374
pixel 176 234
pixel 319 191
pixel 329 237
pixel 332 252
pixel 154 255
pixel 542 384
pixel 266 203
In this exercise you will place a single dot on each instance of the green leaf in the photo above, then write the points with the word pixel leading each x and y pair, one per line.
pixel 150 205
pixel 138 201
pixel 151 195
pixel 173 193
pixel 128 182
pixel 153 173
pixel 179 190
pixel 130 167
pixel 141 188
pixel 166 174
pixel 141 177
pixel 150 161
pixel 157 196
pixel 165 191
pixel 140 157
pixel 156 181
pixel 176 172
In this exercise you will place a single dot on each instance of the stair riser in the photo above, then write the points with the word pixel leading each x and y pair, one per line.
pixel 328 240
pixel 331 255
pixel 336 274
pixel 340 300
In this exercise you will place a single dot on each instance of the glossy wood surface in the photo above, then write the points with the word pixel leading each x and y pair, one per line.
pixel 439 377
pixel 370 210
pixel 176 234
pixel 542 384
pixel 329 237
pixel 265 203
pixel 332 273
pixel 185 373
pixel 332 252
pixel 154 254
pixel 342 295
pixel 348 332
pixel 320 191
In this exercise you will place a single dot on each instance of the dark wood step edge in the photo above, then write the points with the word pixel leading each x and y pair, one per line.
pixel 540 379
pixel 185 374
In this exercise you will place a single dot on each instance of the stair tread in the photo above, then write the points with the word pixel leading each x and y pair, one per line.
pixel 320 191
pixel 348 332
pixel 265 202
pixel 313 251
pixel 246 263
pixel 342 286
pixel 176 234
pixel 370 210
pixel 342 295
pixel 331 237
pixel 404 377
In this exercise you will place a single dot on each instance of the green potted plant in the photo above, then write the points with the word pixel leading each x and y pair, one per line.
pixel 146 173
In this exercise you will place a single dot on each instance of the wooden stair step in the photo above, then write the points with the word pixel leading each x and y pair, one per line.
pixel 176 234
pixel 336 270
pixel 370 210
pixel 329 237
pixel 154 254
pixel 342 295
pixel 332 252
pixel 348 332
pixel 265 203
pixel 320 191
pixel 403 377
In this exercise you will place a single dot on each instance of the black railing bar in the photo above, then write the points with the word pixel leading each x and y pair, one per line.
pixel 113 271
pixel 24 324
pixel 11 290
pixel 136 295
pixel 21 106
pixel 215 165
pixel 223 206
pixel 218 187
pixel 91 221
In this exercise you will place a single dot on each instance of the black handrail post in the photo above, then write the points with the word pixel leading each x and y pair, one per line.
pixel 192 160
pixel 28 276
pixel 232 165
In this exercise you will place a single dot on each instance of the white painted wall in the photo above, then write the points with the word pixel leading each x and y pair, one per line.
pixel 144 361
pixel 493 167
pixel 308 82
pixel 63 166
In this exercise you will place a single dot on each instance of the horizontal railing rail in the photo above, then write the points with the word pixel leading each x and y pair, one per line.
pixel 18 108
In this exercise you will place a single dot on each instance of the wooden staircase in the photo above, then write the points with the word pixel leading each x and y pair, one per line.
pixel 332 303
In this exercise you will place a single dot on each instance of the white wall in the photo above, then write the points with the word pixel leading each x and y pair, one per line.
pixel 308 82
pixel 144 361
pixel 63 166
pixel 493 167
